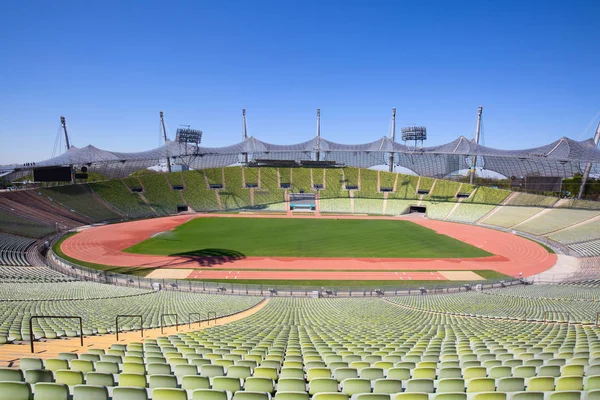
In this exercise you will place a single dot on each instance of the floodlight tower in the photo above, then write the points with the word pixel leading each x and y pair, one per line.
pixel 244 134
pixel 318 152
pixel 588 167
pixel 164 132
pixel 477 131
pixel 63 122
pixel 391 162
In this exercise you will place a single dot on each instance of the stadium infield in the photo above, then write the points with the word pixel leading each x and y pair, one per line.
pixel 106 245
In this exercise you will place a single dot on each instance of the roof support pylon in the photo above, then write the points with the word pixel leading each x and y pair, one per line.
pixel 477 132
pixel 318 148
pixel 588 166
pixel 164 132
pixel 63 123
pixel 244 134
pixel 393 138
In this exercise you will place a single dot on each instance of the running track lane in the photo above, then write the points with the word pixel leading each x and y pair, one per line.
pixel 513 254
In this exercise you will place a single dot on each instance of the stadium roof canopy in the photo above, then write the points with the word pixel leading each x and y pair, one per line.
pixel 562 158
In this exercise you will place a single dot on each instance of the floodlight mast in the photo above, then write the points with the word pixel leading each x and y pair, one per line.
pixel 63 122
pixel 588 166
pixel 474 163
pixel 164 132
pixel 391 162
pixel 244 133
pixel 318 152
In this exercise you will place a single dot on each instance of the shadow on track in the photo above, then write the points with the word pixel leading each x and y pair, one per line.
pixel 210 257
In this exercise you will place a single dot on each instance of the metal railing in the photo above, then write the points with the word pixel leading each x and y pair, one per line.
pixel 219 288
pixel 32 337
pixel 141 317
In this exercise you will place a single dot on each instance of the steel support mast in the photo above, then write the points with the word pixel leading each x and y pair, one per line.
pixel 318 148
pixel 391 162
pixel 244 134
pixel 477 132
pixel 588 166
pixel 63 122
pixel 164 133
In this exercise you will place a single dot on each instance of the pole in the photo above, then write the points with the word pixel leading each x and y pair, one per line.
pixel 391 162
pixel 244 133
pixel 164 132
pixel 318 153
pixel 588 166
pixel 474 164
pixel 63 122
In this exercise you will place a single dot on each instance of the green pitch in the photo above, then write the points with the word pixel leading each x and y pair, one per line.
pixel 273 237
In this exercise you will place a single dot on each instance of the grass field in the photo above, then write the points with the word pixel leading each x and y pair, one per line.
pixel 272 237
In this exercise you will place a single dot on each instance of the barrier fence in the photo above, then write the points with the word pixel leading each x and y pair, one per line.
pixel 65 267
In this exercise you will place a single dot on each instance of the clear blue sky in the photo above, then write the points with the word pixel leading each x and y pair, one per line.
pixel 109 67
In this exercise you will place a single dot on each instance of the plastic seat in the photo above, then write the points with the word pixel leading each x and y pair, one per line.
pixel 449 372
pixel 291 373
pixel 266 372
pixel 51 391
pixel 107 367
pixel 259 384
pixel 410 396
pixel 211 371
pixel 566 395
pixel 477 385
pixel 419 385
pixel 398 373
pixel 387 386
pixel 69 377
pixel 229 384
pixel 11 375
pixel 84 366
pixel 330 396
pixel 450 396
pixel 371 396
pixel 15 390
pixel 159 369
pixel 239 371
pixel 592 383
pixel 54 364
pixel 136 368
pixel 474 372
pixel 192 382
pixel 345 373
pixel 169 394
pixel 133 380
pixel 524 372
pixel 353 386
pixel 313 373
pixel 99 379
pixel 31 363
pixel 490 396
pixel 129 393
pixel 573 370
pixel 162 381
pixel 209 394
pixel 451 385
pixel 319 385
pixel 291 385
pixel 541 384
pixel 569 383
pixel 247 395
pixel 33 376
pixel 372 373
pixel 511 384
pixel 90 392
pixel 283 395
pixel 528 396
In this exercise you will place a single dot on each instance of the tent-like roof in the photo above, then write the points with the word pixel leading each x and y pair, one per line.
pixel 563 157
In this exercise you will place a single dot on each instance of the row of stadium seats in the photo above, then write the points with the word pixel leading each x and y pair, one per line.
pixel 332 349
pixel 12 274
pixel 13 249
pixel 98 304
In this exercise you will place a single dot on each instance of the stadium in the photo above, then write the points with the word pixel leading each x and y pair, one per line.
pixel 316 270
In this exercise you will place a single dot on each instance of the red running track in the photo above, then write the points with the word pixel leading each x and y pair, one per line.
pixel 512 254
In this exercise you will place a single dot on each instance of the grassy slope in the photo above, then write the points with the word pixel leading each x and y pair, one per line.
pixel 308 238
